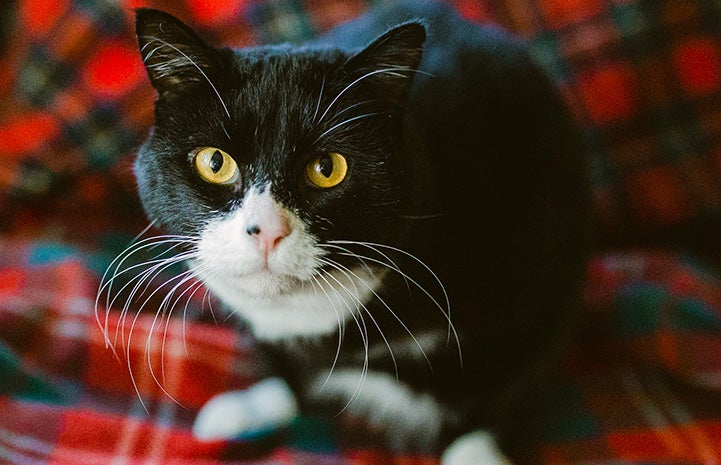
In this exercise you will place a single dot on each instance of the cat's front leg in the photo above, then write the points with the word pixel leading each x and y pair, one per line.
pixel 263 408
pixel 475 448
pixel 408 420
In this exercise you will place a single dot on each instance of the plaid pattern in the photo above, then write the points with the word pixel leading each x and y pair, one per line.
pixel 642 387
pixel 645 80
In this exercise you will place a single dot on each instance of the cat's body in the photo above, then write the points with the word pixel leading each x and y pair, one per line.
pixel 462 184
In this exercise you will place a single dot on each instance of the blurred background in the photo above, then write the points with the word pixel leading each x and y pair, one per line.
pixel 643 79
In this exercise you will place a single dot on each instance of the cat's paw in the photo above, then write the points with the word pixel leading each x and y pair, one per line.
pixel 475 448
pixel 253 413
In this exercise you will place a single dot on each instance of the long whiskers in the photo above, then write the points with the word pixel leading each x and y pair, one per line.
pixel 446 311
pixel 320 97
pixel 389 70
pixel 144 280
pixel 190 60
pixel 137 281
pixel 360 324
pixel 348 272
pixel 115 270
pixel 347 121
pixel 362 328
pixel 381 259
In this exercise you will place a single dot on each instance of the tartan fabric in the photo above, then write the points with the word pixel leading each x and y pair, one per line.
pixel 644 78
pixel 642 387
pixel 661 310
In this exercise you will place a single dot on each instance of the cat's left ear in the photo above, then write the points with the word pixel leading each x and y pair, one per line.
pixel 175 57
pixel 390 61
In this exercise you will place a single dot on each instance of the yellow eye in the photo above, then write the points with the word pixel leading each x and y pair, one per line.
pixel 328 170
pixel 216 166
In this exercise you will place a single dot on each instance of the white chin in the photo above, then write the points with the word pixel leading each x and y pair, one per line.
pixel 281 307
pixel 261 285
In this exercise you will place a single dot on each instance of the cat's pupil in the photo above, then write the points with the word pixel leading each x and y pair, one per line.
pixel 326 166
pixel 216 161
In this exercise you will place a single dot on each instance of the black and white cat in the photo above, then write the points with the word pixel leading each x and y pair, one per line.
pixel 398 212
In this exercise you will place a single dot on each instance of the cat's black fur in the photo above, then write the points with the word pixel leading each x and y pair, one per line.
pixel 473 165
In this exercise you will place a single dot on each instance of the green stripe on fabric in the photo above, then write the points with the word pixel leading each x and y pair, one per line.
pixel 16 382
pixel 638 309
pixel 694 315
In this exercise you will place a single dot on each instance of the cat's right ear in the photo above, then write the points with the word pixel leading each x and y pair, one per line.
pixel 175 57
pixel 391 60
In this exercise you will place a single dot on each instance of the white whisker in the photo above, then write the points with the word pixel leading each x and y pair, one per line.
pixel 320 97
pixel 225 131
pixel 149 358
pixel 363 330
pixel 106 282
pixel 394 314
pixel 144 275
pixel 365 76
pixel 340 330
pixel 446 312
pixel 342 269
pixel 146 278
pixel 361 258
pixel 157 39
pixel 343 123
pixel 192 288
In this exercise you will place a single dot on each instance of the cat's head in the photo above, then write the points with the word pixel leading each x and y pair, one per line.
pixel 272 159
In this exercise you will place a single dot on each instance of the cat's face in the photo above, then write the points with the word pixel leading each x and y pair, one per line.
pixel 271 159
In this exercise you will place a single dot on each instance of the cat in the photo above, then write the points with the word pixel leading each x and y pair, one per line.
pixel 398 211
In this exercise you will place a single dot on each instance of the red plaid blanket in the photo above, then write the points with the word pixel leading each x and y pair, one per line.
pixel 642 385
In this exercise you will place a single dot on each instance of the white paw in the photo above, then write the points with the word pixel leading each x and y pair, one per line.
pixel 476 448
pixel 263 408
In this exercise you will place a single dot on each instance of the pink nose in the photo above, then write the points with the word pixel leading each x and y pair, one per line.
pixel 269 234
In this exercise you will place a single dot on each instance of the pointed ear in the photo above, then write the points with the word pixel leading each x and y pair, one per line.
pixel 391 60
pixel 174 56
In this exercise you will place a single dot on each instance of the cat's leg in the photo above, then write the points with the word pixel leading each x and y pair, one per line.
pixel 406 418
pixel 261 409
pixel 410 420
pixel 475 448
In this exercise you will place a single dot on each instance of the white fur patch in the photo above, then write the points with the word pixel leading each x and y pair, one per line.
pixel 385 403
pixel 230 257
pixel 282 295
pixel 419 346
pixel 306 312
pixel 476 448
pixel 263 407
